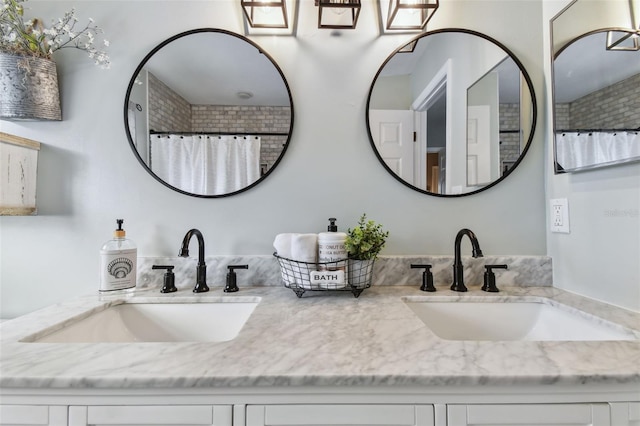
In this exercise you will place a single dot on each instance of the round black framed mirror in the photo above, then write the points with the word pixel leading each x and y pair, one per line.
pixel 208 113
pixel 451 113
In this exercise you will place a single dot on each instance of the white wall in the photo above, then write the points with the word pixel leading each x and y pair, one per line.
pixel 392 93
pixel 88 175
pixel 600 258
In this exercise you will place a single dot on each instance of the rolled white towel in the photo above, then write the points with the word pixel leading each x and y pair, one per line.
pixel 304 247
pixel 297 247
pixel 282 244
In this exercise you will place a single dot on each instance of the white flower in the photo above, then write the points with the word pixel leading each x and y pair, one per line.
pixel 106 43
pixel 30 37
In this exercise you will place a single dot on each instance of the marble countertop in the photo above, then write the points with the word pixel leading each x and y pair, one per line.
pixel 324 338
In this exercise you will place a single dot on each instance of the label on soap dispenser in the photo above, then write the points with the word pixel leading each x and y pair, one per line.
pixel 331 249
pixel 118 269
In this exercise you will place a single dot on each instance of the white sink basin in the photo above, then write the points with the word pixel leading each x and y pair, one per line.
pixel 154 322
pixel 514 319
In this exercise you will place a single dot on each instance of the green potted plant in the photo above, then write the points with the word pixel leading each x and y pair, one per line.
pixel 363 243
pixel 27 69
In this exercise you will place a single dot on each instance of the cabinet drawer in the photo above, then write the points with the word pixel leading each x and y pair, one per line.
pixel 528 414
pixel 182 415
pixel 339 414
pixel 625 414
pixel 33 415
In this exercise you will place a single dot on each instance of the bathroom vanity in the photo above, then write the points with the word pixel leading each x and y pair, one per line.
pixel 327 358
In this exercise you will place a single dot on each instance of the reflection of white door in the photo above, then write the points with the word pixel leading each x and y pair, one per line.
pixel 392 132
pixel 478 145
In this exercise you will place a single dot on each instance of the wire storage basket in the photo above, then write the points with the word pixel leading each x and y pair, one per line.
pixel 343 275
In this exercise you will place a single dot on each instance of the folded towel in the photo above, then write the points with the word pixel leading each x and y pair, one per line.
pixel 304 247
pixel 282 244
pixel 300 248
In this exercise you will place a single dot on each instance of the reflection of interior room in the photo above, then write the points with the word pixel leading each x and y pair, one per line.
pixel 209 113
pixel 172 114
pixel 447 155
pixel 597 118
pixel 604 108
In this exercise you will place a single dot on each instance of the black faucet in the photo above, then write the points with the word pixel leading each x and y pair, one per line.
pixel 458 279
pixel 201 274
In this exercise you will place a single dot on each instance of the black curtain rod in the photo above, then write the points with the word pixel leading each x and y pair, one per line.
pixel 221 133
pixel 596 130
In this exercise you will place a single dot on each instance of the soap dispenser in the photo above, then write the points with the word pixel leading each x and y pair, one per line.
pixel 119 258
pixel 331 247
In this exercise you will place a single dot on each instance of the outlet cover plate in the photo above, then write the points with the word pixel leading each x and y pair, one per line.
pixel 559 215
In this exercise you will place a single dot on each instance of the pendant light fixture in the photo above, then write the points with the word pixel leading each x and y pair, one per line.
pixel 410 14
pixel 338 14
pixel 265 13
pixel 625 40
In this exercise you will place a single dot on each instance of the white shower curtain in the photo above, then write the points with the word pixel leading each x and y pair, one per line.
pixel 584 149
pixel 206 164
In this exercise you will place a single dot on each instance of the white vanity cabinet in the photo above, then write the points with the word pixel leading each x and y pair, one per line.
pixel 33 415
pixel 294 412
pixel 529 414
pixel 340 414
pixel 156 415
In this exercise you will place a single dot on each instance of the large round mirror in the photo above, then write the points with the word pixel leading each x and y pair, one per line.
pixel 596 87
pixel 451 113
pixel 208 113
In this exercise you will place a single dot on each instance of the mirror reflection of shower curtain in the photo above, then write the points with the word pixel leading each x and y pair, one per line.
pixel 585 149
pixel 206 164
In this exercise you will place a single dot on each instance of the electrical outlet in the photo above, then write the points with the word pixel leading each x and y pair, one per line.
pixel 559 211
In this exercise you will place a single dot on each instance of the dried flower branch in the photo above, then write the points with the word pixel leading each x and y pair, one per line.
pixel 32 38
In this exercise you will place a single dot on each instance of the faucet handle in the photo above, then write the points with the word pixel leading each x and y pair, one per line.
pixel 490 278
pixel 169 278
pixel 232 286
pixel 427 277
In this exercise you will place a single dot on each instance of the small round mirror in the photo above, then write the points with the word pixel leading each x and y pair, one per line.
pixel 208 113
pixel 451 113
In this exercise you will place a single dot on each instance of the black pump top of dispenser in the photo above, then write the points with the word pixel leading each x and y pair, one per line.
pixel 119 233
pixel 332 225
